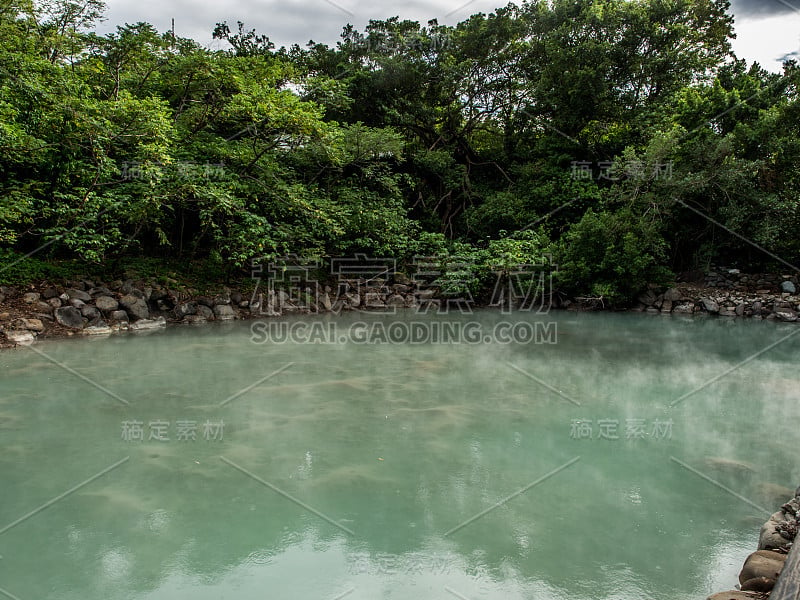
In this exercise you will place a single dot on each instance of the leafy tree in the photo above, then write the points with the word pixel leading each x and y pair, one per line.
pixel 403 139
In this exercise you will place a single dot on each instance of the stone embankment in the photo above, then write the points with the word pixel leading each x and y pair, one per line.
pixel 762 568
pixel 729 293
pixel 95 307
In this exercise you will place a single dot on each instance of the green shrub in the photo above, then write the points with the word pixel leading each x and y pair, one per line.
pixel 611 255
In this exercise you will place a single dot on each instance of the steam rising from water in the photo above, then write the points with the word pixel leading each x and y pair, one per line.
pixel 399 444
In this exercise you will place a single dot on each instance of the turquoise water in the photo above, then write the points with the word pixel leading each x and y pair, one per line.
pixel 398 471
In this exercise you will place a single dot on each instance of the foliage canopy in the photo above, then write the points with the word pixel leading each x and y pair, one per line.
pixel 608 128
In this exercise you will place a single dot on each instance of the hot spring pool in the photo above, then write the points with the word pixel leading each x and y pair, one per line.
pixel 624 461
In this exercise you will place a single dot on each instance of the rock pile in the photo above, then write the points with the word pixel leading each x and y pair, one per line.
pixel 92 307
pixel 84 306
pixel 734 279
pixel 351 294
pixel 759 304
pixel 762 568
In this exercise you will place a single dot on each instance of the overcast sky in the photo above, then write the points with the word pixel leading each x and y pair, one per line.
pixel 767 30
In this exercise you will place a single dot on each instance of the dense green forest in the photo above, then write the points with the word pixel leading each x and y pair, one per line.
pixel 622 138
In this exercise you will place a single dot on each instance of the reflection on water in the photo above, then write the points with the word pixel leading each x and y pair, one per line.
pixel 396 471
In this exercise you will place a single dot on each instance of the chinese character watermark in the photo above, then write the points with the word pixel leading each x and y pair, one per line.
pixel 440 284
pixel 614 429
pixel 395 43
pixel 182 170
pixel 159 430
pixel 606 170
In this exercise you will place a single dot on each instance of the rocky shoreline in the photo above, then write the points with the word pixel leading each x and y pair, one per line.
pixel 761 569
pixel 729 293
pixel 86 307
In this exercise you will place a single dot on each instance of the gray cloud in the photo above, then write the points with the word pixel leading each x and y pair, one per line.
pixel 286 22
pixel 764 8
pixel 289 22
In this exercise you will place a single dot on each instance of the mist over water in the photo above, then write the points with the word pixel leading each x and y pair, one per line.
pixel 477 471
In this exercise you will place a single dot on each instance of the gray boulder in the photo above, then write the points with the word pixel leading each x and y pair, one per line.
pixel 788 287
pixel 185 309
pixel 396 300
pixel 194 319
pixel 373 300
pixel 78 294
pixel 90 312
pixel 224 312
pixel 33 325
pixel 69 316
pixel 21 338
pixel 710 305
pixel 119 315
pixel 648 298
pixel 135 307
pixel 128 287
pixel 157 293
pixel 43 307
pixel 223 298
pixel 101 328
pixel 353 299
pixel 770 537
pixel 100 291
pixel 786 314
pixel 106 303
pixel 204 311
pixel 147 324
pixel 325 301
